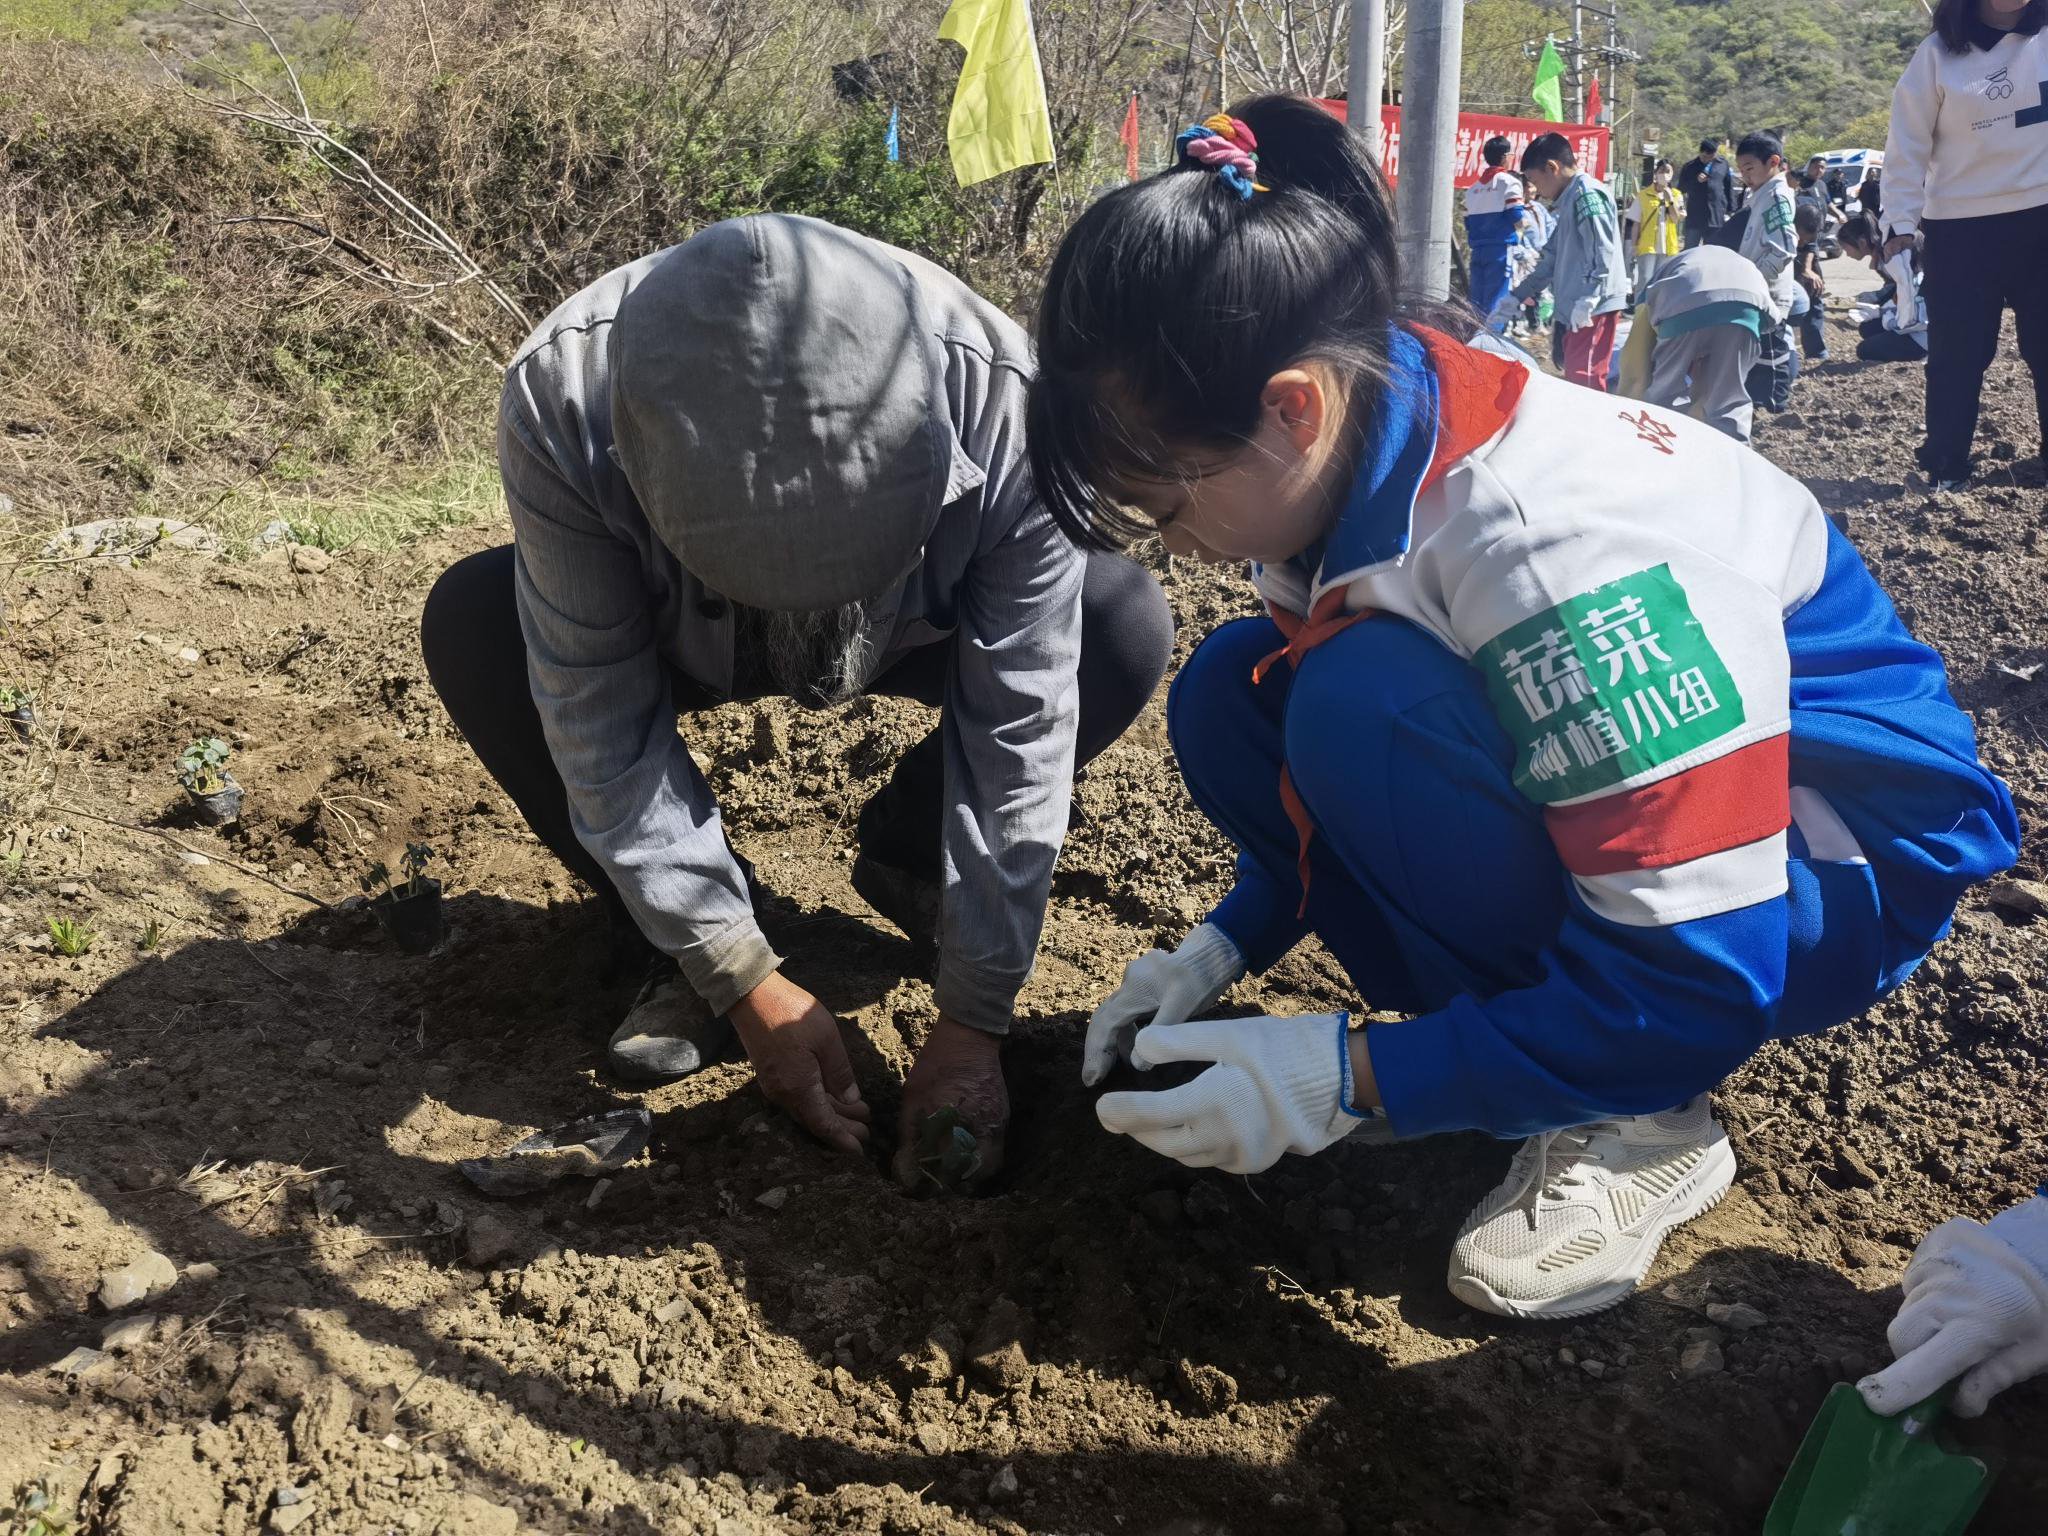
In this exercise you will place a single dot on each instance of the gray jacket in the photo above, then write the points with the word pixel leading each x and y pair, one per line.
pixel 1702 276
pixel 607 609
pixel 1770 238
pixel 1583 257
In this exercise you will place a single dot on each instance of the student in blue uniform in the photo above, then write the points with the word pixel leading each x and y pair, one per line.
pixel 1597 790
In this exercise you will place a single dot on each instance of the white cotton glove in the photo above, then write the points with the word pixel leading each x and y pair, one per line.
pixel 1976 1313
pixel 1277 1086
pixel 1159 988
pixel 1582 315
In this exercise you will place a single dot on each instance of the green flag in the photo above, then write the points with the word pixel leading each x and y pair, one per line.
pixel 1547 92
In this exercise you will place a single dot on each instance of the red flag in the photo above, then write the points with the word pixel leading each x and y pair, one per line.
pixel 1128 136
pixel 1593 99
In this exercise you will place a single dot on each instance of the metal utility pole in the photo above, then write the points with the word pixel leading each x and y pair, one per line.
pixel 1578 69
pixel 1429 135
pixel 1365 80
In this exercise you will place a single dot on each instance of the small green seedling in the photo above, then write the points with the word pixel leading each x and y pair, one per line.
pixel 947 1152
pixel 152 937
pixel 203 766
pixel 33 1511
pixel 12 698
pixel 378 885
pixel 72 939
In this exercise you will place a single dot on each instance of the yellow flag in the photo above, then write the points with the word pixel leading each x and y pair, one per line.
pixel 999 118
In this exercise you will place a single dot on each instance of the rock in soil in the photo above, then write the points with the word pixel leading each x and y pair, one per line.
pixel 1702 1357
pixel 145 1277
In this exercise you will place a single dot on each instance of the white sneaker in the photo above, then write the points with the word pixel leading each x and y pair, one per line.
pixel 1579 1219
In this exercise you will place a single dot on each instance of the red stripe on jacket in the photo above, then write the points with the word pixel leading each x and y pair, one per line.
pixel 1727 803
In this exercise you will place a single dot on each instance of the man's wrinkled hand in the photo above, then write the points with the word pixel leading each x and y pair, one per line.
pixel 793 1041
pixel 959 1069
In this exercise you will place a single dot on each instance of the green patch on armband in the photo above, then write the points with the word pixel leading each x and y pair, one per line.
pixel 1779 215
pixel 1607 685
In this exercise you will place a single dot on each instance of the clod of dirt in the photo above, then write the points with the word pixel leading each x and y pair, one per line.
pixel 1702 1357
pixel 997 1355
pixel 126 1333
pixel 1003 1486
pixel 322 1422
pixel 582 1148
pixel 1852 1170
pixel 1210 1388
pixel 2024 898
pixel 771 736
pixel 1162 1208
pixel 487 1240
pixel 131 1283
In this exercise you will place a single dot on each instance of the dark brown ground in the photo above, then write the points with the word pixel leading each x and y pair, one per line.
pixel 1110 1344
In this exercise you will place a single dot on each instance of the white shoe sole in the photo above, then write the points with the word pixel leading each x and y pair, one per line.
pixel 1708 1185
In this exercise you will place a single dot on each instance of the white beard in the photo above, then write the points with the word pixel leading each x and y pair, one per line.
pixel 820 658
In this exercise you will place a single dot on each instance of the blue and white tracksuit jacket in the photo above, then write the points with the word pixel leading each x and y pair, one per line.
pixel 1495 212
pixel 1613 788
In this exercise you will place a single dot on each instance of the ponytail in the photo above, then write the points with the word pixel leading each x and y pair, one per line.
pixel 1172 301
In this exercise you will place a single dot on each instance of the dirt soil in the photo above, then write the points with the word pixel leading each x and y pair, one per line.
pixel 740 1333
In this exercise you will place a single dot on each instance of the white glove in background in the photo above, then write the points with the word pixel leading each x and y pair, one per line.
pixel 1582 315
pixel 1277 1086
pixel 1976 1313
pixel 1159 988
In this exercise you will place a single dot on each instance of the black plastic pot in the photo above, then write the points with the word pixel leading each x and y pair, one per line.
pixel 414 922
pixel 222 806
pixel 23 719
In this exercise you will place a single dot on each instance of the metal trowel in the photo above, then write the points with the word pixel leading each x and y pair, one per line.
pixel 1861 1474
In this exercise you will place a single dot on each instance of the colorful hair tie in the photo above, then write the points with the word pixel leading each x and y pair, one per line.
pixel 1227 146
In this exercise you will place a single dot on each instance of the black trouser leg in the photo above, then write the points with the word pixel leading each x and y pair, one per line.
pixel 1777 367
pixel 2023 290
pixel 1126 641
pixel 476 660
pixel 1965 298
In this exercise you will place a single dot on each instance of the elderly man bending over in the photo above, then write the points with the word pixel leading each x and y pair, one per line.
pixel 781 458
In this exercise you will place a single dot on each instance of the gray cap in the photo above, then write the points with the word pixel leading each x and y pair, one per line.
pixel 778 407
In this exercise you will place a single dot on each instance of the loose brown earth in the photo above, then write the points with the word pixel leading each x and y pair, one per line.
pixel 743 1333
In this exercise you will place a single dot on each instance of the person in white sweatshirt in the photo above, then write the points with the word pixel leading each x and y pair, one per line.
pixel 1966 176
pixel 1770 239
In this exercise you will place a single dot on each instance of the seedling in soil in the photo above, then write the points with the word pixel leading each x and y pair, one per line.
pixel 71 939
pixel 410 907
pixel 152 937
pixel 18 709
pixel 947 1152
pixel 203 770
pixel 203 766
pixel 33 1511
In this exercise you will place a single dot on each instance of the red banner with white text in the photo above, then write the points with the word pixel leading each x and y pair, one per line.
pixel 1589 141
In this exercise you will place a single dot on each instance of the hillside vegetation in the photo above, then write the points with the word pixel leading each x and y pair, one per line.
pixel 253 266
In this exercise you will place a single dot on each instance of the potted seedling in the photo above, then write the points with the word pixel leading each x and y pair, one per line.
pixel 203 770
pixel 18 709
pixel 410 907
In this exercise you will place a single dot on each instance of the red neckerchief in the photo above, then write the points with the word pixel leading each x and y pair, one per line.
pixel 1477 393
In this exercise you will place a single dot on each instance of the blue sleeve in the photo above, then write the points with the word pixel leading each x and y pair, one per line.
pixel 1624 1021
pixel 1260 916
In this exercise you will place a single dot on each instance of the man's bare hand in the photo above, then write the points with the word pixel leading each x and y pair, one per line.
pixel 793 1041
pixel 961 1069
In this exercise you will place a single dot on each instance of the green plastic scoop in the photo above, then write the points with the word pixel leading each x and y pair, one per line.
pixel 1860 1474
